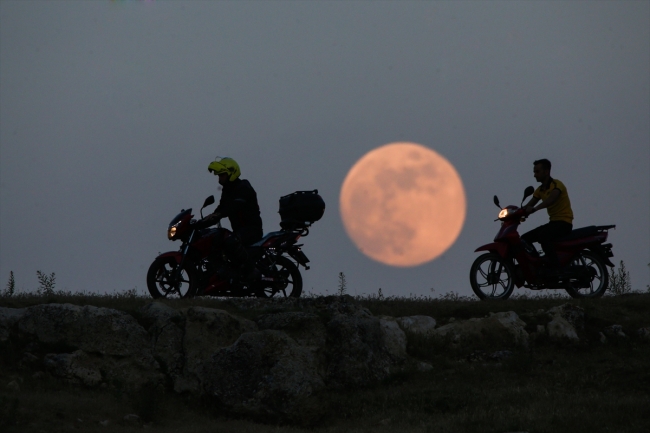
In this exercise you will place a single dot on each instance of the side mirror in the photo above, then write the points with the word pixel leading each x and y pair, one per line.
pixel 208 201
pixel 527 193
pixel 496 201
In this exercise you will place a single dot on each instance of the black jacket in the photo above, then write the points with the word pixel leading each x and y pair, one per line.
pixel 239 203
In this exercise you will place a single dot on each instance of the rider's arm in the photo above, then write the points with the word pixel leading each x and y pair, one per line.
pixel 552 198
pixel 530 205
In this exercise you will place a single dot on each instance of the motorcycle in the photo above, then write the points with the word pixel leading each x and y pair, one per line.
pixel 583 256
pixel 200 268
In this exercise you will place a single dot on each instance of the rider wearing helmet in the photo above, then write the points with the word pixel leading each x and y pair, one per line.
pixel 239 204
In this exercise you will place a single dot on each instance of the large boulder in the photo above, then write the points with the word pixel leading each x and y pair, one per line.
pixel 306 328
pixel 166 327
pixel 565 319
pixel 206 330
pixel 67 327
pixel 265 374
pixel 8 318
pixel 505 328
pixel 393 339
pixel 356 350
pixel 418 325
pixel 89 344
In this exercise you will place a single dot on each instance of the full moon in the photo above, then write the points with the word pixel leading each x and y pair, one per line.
pixel 403 204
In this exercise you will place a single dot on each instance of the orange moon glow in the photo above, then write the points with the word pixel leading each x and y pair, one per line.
pixel 403 204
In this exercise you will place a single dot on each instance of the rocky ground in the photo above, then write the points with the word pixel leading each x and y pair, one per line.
pixel 329 363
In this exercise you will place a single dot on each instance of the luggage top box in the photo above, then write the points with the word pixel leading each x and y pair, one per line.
pixel 300 209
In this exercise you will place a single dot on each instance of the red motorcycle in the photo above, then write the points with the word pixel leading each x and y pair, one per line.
pixel 200 268
pixel 511 262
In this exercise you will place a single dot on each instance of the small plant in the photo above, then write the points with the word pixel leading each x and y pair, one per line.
pixel 343 288
pixel 46 282
pixel 380 295
pixel 619 280
pixel 11 285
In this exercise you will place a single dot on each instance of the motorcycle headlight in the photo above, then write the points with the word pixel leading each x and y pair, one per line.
pixel 504 213
pixel 171 232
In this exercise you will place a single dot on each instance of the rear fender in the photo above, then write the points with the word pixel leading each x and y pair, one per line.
pixel 495 247
pixel 605 252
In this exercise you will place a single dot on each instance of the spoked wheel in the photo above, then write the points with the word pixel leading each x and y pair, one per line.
pixel 492 277
pixel 162 282
pixel 287 281
pixel 595 284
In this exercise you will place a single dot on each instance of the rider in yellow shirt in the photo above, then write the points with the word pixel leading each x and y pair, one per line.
pixel 555 199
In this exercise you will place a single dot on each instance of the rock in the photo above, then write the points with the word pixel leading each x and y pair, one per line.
pixel 131 419
pixel 87 340
pixel 206 331
pixel 306 328
pixel 393 339
pixel 94 330
pixel 559 329
pixel 29 359
pixel 75 367
pixel 356 355
pixel 13 386
pixel 643 334
pixel 159 313
pixel 603 339
pixel 505 327
pixel 573 314
pixel 265 374
pixel 166 328
pixel 418 325
pixel 614 331
pixel 8 318
pixel 104 423
pixel 93 370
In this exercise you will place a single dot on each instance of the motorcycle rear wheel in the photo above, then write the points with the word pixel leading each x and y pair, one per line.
pixel 160 280
pixel 599 280
pixel 288 281
pixel 492 277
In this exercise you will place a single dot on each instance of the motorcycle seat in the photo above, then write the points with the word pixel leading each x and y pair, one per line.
pixel 583 232
pixel 266 238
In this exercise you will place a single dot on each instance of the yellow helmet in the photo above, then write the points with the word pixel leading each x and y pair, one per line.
pixel 225 165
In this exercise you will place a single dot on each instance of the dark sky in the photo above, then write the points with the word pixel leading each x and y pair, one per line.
pixel 110 112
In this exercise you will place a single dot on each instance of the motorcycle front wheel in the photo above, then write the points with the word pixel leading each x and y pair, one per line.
pixel 287 281
pixel 492 277
pixel 163 281
pixel 598 281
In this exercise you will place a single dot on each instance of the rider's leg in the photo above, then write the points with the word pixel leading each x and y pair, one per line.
pixel 235 250
pixel 553 231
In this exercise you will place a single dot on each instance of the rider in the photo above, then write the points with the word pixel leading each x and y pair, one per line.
pixel 555 199
pixel 239 204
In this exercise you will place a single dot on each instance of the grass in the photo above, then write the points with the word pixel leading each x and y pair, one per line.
pixel 549 387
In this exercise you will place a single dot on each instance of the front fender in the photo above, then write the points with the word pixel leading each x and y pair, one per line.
pixel 495 247
pixel 177 255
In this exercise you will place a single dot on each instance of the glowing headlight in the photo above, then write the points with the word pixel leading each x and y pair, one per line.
pixel 171 233
pixel 504 213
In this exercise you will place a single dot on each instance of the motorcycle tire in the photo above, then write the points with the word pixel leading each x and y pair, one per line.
pixel 160 279
pixel 492 277
pixel 288 282
pixel 599 279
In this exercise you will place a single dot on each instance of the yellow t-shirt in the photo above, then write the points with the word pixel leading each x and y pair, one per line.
pixel 561 209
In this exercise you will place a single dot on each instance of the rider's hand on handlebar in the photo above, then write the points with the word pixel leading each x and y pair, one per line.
pixel 529 210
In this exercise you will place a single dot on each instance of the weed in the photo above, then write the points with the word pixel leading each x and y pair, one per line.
pixel 343 288
pixel 11 285
pixel 619 281
pixel 47 283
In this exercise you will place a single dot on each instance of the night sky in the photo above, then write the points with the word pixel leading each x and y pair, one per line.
pixel 111 111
